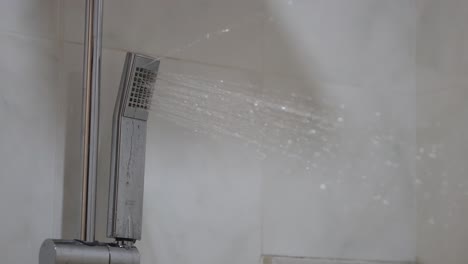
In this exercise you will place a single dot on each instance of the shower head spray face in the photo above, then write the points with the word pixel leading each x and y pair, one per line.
pixel 129 146
pixel 140 89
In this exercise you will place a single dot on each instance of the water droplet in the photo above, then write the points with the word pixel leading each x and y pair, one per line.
pixel 225 30
pixel 221 81
pixel 290 2
pixel 283 108
pixel 312 131
pixel 323 186
pixel 207 35
pixel 386 202
pixel 340 119
pixel 378 114
pixel 421 150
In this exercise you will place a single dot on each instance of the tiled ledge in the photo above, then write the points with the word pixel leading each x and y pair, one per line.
pixel 302 260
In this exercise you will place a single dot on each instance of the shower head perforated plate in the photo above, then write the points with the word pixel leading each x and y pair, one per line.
pixel 140 87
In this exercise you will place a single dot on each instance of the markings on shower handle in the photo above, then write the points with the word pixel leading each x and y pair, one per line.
pixel 130 202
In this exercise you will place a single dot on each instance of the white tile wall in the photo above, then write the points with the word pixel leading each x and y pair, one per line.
pixel 229 196
pixel 354 60
pixel 31 134
pixel 216 32
pixel 357 43
pixel 442 181
pixel 442 128
pixel 350 194
pixel 202 190
pixel 31 141
pixel 31 17
pixel 206 211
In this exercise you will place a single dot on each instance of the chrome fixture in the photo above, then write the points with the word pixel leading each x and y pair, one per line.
pixel 128 147
pixel 90 116
pixel 80 252
pixel 128 157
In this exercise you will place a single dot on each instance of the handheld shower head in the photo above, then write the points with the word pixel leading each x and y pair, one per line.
pixel 128 147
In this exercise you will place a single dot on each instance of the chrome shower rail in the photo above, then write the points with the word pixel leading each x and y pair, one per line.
pixel 90 116
pixel 86 250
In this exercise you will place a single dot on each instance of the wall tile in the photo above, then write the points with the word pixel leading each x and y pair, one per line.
pixel 30 17
pixel 442 184
pixel 206 211
pixel 30 185
pixel 338 182
pixel 359 42
pixel 343 74
pixel 202 191
pixel 442 60
pixel 217 32
pixel 442 38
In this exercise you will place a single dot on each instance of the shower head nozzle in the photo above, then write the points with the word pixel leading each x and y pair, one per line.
pixel 129 146
pixel 141 74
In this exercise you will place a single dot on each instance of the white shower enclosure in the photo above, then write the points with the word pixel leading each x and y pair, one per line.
pixel 281 131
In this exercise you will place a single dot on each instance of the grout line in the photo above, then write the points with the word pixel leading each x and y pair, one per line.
pixel 413 163
pixel 317 260
pixel 228 67
pixel 25 36
pixel 262 170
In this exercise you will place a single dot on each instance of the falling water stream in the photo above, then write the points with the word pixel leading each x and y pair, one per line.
pixel 301 127
pixel 219 107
